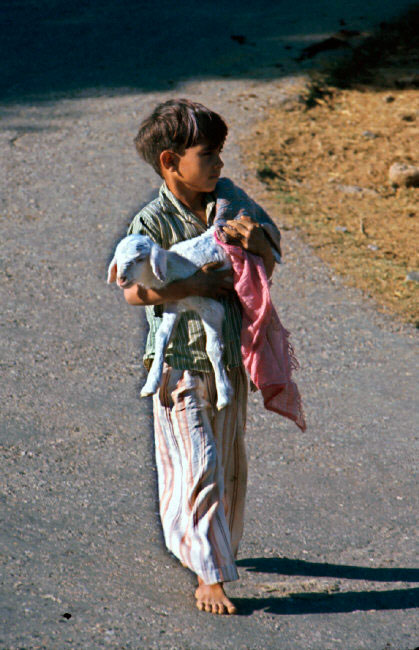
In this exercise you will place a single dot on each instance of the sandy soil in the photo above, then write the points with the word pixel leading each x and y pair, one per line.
pixel 328 166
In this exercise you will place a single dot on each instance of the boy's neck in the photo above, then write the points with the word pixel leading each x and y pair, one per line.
pixel 192 199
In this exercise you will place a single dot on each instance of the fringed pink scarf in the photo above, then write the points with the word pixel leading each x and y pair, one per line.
pixel 268 355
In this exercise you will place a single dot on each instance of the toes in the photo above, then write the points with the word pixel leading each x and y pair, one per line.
pixel 231 609
pixel 216 608
pixel 214 603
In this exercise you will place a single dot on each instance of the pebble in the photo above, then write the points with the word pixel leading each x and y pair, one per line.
pixel 370 135
pixel 413 276
pixel 401 174
pixel 355 189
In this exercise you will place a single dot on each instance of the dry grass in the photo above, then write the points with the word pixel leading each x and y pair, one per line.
pixel 328 169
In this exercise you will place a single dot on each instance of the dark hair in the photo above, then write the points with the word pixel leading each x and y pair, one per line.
pixel 177 125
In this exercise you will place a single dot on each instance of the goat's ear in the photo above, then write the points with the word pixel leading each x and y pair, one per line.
pixel 112 271
pixel 158 262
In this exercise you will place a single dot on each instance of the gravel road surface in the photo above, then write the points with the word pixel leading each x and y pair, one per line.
pixel 330 545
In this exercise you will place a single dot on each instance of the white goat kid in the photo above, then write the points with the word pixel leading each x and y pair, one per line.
pixel 138 260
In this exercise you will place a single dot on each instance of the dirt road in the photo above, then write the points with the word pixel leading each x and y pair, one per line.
pixel 330 543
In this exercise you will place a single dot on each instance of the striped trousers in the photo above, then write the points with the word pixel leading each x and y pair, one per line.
pixel 202 470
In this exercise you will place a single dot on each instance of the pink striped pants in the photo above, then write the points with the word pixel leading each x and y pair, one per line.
pixel 202 470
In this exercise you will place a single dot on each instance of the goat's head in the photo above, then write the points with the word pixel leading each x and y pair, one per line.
pixel 137 260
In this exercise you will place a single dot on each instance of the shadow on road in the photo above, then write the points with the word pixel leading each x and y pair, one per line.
pixel 320 603
pixel 55 48
pixel 287 566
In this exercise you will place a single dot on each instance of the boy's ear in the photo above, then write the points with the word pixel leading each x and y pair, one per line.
pixel 167 159
pixel 158 262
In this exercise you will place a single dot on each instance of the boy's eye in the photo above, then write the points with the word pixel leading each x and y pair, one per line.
pixel 213 152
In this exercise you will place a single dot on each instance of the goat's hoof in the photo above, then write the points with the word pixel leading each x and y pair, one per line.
pixel 222 403
pixel 225 395
pixel 147 390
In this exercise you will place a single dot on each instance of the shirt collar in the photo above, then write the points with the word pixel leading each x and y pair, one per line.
pixel 169 200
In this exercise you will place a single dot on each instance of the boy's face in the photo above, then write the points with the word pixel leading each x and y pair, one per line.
pixel 199 168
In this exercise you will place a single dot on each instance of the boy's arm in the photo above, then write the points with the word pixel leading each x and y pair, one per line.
pixel 207 282
pixel 250 235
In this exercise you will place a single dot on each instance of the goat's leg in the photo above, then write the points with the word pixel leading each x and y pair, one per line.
pixel 212 319
pixel 163 336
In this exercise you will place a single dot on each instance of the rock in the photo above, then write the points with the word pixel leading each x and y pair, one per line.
pixel 373 247
pixel 404 175
pixel 239 38
pixel 389 99
pixel 409 81
pixel 413 276
pixel 355 189
pixel 337 41
pixel 369 135
pixel 332 43
pixel 341 229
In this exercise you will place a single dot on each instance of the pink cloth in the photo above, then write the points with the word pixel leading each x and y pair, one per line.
pixel 267 354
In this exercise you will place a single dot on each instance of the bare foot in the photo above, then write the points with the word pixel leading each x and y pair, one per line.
pixel 212 598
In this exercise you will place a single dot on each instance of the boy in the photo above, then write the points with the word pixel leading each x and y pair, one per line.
pixel 200 452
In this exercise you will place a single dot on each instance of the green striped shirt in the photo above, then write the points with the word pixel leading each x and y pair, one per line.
pixel 167 221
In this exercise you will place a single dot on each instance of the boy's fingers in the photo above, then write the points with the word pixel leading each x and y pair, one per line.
pixel 244 224
pixel 211 282
pixel 236 228
pixel 247 233
pixel 243 231
pixel 232 234
pixel 212 266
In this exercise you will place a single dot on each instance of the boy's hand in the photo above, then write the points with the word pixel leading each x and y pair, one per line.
pixel 209 282
pixel 249 235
